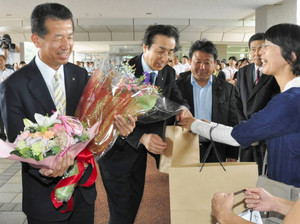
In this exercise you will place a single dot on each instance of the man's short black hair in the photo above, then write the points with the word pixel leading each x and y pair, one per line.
pixel 204 46
pixel 257 36
pixel 46 11
pixel 167 30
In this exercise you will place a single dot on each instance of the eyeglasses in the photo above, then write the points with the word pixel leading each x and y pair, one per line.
pixel 264 45
pixel 161 52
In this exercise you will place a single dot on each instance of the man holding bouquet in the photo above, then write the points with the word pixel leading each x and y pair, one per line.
pixel 33 89
pixel 123 167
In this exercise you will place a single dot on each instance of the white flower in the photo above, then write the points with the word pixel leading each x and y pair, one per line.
pixel 29 124
pixel 46 121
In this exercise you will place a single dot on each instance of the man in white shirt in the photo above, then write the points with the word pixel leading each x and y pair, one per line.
pixel 185 64
pixel 177 66
pixel 4 72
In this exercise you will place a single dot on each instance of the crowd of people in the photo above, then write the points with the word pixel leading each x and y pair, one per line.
pixel 246 107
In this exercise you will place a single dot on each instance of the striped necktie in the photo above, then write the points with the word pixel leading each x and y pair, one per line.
pixel 59 96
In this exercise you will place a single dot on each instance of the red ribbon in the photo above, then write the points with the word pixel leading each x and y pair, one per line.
pixel 85 156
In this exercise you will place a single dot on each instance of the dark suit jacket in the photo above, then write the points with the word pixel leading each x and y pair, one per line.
pixel 251 98
pixel 223 107
pixel 22 95
pixel 166 82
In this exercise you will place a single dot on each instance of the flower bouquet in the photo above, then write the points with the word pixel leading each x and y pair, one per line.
pixel 41 143
pixel 111 92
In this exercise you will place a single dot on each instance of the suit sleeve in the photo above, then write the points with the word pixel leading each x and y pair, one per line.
pixel 12 111
pixel 13 115
pixel 232 152
pixel 238 98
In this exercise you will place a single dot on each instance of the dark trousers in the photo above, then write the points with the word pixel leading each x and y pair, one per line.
pixel 124 184
pixel 254 154
pixel 2 133
pixel 82 213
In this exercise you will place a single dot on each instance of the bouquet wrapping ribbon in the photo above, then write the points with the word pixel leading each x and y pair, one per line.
pixel 85 156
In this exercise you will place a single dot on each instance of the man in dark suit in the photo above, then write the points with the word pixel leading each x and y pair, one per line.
pixel 30 90
pixel 123 167
pixel 209 97
pixel 253 90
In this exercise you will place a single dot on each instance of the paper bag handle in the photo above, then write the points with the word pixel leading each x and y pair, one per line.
pixel 211 145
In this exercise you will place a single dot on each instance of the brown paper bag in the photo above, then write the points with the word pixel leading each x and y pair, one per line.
pixel 191 191
pixel 183 148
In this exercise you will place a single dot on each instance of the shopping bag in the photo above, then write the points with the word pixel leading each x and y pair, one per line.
pixel 183 148
pixel 191 191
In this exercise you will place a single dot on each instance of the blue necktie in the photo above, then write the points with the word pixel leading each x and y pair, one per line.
pixel 152 77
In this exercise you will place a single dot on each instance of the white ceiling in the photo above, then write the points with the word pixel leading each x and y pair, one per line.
pixel 122 22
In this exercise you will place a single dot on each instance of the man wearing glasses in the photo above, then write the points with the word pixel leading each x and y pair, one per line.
pixel 123 167
pixel 253 91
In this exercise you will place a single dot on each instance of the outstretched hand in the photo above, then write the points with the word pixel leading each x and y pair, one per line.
pixel 187 122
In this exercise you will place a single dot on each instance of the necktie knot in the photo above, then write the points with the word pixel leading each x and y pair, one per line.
pixel 56 76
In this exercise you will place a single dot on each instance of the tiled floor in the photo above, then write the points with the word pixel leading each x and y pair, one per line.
pixel 11 193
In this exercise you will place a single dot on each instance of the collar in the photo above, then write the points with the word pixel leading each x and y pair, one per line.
pixel 146 68
pixel 46 71
pixel 295 82
pixel 256 67
pixel 194 82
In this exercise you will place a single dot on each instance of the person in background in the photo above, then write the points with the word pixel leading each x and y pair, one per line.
pixel 253 90
pixel 244 62
pixel 22 64
pixel 123 167
pixel 171 63
pixel 209 97
pixel 218 71
pixel 257 199
pixel 185 64
pixel 9 50
pixel 4 72
pixel 177 66
pixel 231 69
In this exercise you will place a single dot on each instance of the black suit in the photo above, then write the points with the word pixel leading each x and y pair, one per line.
pixel 123 167
pixel 251 98
pixel 22 95
pixel 223 111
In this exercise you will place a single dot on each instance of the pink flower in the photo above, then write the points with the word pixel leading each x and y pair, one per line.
pixel 23 135
pixel 57 128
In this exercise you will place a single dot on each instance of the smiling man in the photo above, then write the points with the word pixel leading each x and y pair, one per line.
pixel 49 83
pixel 123 168
pixel 209 97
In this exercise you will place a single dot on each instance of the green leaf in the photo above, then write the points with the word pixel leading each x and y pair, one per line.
pixel 56 149
pixel 64 194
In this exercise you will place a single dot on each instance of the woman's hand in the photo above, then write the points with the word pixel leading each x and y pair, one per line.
pixel 259 199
